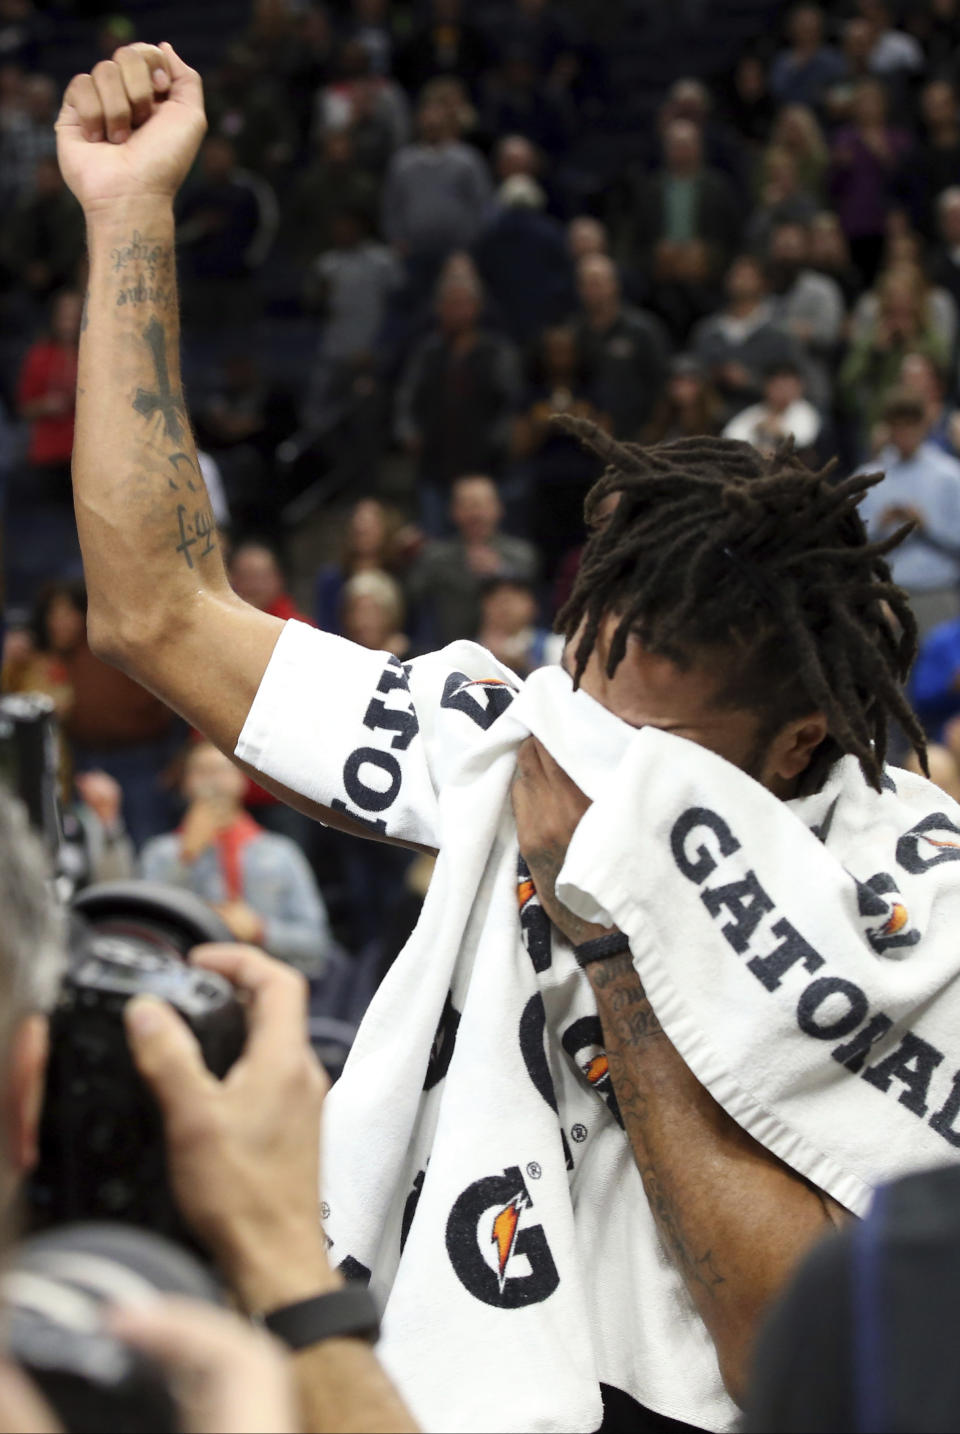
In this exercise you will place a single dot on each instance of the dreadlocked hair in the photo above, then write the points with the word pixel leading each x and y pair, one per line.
pixel 706 543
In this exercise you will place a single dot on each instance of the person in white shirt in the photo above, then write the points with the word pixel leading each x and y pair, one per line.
pixel 782 413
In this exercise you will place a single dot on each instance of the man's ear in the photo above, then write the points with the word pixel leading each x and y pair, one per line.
pixel 21 1097
pixel 793 747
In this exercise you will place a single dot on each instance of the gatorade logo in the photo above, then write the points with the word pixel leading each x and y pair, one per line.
pixel 500 1255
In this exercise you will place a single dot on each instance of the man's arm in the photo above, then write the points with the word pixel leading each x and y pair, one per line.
pixel 734 1219
pixel 160 606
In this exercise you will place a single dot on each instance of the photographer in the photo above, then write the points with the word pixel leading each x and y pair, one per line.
pixel 243 1156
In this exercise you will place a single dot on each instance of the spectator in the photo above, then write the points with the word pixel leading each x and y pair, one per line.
pixel 945 265
pixel 509 627
pixel 370 26
pixel 923 378
pixel 783 413
pixel 247 106
pixel 936 303
pixel 437 191
pixel 935 681
pixel 738 345
pixel 624 350
pixel 258 883
pixel 226 221
pixel 586 236
pixel 373 613
pixel 796 130
pixel 557 470
pixel 113 725
pixel 372 541
pixel 830 255
pixel 40 529
pixel 28 137
pixel 457 398
pixel 686 219
pixel 902 324
pixel 522 258
pixel 808 305
pixel 865 163
pixel 934 164
pixel 33 655
pixel 358 96
pixel 921 485
pixel 892 51
pixel 689 407
pixel 445 43
pixel 241 418
pixel 43 239
pixel 445 585
pixel 351 285
pixel 333 183
pixel 690 99
pixel 750 106
pixel 781 199
pixel 802 73
pixel 257 577
pixel 516 101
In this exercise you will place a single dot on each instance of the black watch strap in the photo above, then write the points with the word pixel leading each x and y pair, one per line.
pixel 601 948
pixel 347 1313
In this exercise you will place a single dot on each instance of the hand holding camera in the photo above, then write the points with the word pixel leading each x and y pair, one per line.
pixel 232 1145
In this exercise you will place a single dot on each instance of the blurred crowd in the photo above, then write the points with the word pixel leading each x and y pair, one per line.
pixel 415 242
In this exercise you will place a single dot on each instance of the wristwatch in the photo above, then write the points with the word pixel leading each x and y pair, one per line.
pixel 348 1313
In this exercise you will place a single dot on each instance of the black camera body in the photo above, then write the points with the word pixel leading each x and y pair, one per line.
pixel 102 1152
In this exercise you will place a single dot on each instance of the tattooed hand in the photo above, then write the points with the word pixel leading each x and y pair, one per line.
pixel 131 128
pixel 548 807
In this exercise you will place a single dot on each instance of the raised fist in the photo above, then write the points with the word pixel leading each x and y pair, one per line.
pixel 132 128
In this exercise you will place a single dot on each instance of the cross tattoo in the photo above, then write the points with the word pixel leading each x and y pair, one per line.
pixel 165 402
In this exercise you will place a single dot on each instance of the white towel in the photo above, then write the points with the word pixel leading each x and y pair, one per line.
pixel 475 1167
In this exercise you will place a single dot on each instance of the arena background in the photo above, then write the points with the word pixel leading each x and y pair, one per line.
pixel 415 236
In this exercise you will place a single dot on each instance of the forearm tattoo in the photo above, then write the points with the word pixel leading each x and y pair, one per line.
pixel 144 276
pixel 633 1035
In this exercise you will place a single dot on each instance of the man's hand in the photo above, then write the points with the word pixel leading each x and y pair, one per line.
pixel 225 1374
pixel 131 128
pixel 244 923
pixel 244 1153
pixel 548 807
pixel 205 818
pixel 899 513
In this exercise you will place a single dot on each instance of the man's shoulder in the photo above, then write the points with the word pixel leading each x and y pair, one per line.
pixel 935 460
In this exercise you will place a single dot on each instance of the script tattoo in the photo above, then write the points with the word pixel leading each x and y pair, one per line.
pixel 197 527
pixel 147 270
pixel 164 400
pixel 148 254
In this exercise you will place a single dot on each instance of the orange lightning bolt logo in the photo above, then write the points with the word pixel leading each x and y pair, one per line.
pixel 505 1233
pixel 897 920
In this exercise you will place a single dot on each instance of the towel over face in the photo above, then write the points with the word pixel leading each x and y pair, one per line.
pixel 800 955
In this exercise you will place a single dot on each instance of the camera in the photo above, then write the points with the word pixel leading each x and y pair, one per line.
pixel 101 1136
pixel 56 1290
